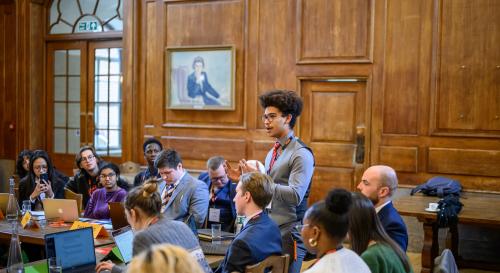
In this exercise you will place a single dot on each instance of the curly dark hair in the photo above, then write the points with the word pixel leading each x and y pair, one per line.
pixel 20 171
pixel 288 102
pixel 150 141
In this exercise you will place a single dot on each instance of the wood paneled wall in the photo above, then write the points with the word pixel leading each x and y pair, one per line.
pixel 413 84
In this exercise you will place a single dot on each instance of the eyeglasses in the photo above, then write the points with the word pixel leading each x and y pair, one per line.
pixel 221 178
pixel 89 158
pixel 39 167
pixel 300 227
pixel 269 117
pixel 104 176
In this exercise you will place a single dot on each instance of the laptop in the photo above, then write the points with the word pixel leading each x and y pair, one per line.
pixel 75 248
pixel 64 209
pixel 123 240
pixel 117 214
pixel 209 248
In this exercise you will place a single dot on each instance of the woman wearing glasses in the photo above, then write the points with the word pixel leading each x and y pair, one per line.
pixel 41 182
pixel 86 180
pixel 325 227
pixel 97 207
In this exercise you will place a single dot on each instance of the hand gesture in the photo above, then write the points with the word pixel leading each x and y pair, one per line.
pixel 248 168
pixel 106 265
pixel 48 189
pixel 233 174
pixel 39 188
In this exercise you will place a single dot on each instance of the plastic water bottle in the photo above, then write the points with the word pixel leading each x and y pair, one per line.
pixel 238 223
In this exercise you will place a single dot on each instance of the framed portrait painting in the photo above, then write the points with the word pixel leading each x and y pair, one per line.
pixel 200 78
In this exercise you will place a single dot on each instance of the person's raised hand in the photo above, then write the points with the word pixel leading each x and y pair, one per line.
pixel 233 173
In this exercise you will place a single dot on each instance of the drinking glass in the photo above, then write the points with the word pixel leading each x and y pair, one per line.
pixel 26 206
pixel 55 265
pixel 216 233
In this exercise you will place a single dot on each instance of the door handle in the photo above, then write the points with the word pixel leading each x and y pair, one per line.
pixel 360 144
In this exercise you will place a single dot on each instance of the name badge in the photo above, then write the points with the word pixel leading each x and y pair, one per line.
pixel 214 215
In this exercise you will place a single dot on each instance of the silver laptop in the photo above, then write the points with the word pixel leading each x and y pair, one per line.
pixel 63 209
pixel 123 240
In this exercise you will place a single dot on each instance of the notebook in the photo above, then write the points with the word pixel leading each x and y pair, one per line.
pixel 75 248
pixel 117 214
pixel 63 209
pixel 123 240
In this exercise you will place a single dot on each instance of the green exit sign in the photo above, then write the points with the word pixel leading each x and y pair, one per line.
pixel 88 26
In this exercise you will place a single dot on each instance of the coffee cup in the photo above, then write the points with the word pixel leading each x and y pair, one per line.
pixel 433 206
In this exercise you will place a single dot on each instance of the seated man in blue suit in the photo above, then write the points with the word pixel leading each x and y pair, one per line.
pixel 184 198
pixel 222 190
pixel 379 184
pixel 260 236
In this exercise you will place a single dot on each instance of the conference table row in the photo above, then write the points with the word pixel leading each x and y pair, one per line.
pixel 36 236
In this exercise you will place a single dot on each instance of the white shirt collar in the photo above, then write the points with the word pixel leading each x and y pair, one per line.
pixel 377 209
pixel 249 217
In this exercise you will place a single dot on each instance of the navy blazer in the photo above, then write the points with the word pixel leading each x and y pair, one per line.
pixel 224 197
pixel 394 225
pixel 258 239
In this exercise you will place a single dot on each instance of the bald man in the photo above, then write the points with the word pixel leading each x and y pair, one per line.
pixel 379 184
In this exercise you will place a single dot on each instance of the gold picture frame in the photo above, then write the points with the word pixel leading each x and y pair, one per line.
pixel 200 78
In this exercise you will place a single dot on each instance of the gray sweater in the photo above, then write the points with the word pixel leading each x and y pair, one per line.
pixel 171 232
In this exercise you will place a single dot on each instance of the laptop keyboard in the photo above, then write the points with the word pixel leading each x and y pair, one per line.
pixel 214 249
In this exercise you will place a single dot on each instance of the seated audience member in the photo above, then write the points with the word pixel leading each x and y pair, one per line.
pixel 98 207
pixel 41 181
pixel 222 190
pixel 164 258
pixel 86 180
pixel 369 239
pixel 379 183
pixel 142 208
pixel 184 198
pixel 325 227
pixel 151 147
pixel 260 237
pixel 23 163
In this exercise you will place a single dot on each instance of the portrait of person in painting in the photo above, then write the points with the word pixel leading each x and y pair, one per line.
pixel 198 84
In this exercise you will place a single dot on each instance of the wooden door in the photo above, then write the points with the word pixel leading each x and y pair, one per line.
pixel 335 125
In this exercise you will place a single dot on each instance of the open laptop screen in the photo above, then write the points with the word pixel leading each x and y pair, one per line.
pixel 123 240
pixel 75 248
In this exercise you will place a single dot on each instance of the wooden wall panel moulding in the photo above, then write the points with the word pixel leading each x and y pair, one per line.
pixel 204 148
pixel 335 107
pixel 329 31
pixel 205 126
pixel 259 149
pixel 327 178
pixel 402 159
pixel 464 161
pixel 333 154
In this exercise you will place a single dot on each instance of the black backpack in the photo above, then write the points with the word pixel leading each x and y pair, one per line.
pixel 439 186
pixel 449 208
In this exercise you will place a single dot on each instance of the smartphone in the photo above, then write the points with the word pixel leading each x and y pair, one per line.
pixel 44 177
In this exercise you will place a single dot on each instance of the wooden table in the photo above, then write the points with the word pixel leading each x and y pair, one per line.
pixel 37 236
pixel 480 209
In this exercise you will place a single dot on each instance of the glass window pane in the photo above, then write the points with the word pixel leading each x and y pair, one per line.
pixel 59 114
pixel 60 62
pixel 114 139
pixel 73 115
pixel 114 116
pixel 61 28
pixel 59 140
pixel 114 25
pixel 106 9
pixel 101 61
pixel 73 141
pixel 74 62
pixel 53 12
pixel 101 140
pixel 74 88
pixel 115 61
pixel 69 11
pixel 88 6
pixel 60 88
pixel 101 115
pixel 115 88
pixel 101 88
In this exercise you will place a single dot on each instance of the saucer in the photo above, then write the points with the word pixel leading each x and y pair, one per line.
pixel 431 210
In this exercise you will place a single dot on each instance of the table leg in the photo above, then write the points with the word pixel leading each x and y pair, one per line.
pixel 431 246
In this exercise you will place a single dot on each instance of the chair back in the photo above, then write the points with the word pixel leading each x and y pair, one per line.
pixel 445 263
pixel 274 263
pixel 69 194
pixel 129 167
